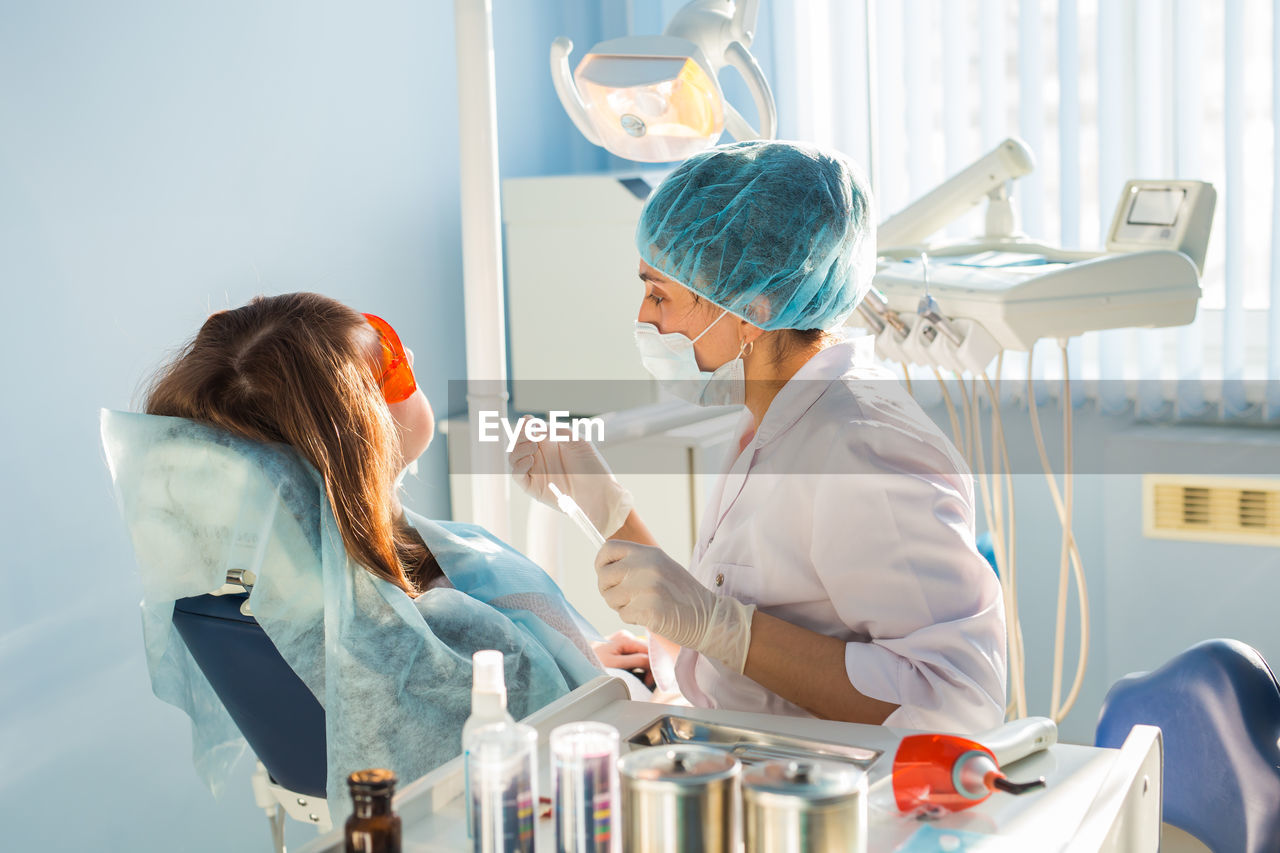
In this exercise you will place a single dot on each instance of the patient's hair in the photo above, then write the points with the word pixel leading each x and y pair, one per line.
pixel 297 369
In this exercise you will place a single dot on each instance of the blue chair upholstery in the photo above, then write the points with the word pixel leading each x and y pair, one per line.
pixel 1218 706
pixel 280 718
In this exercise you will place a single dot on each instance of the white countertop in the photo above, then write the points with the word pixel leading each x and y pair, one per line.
pixel 1095 799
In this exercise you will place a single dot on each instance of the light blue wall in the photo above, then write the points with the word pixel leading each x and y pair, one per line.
pixel 160 160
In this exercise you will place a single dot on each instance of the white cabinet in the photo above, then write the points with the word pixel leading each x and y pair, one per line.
pixel 573 293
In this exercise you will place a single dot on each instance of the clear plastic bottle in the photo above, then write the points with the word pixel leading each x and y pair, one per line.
pixel 488 705
pixel 502 763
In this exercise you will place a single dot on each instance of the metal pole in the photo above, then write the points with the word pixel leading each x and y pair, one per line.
pixel 482 259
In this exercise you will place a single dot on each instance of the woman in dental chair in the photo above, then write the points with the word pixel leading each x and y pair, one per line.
pixel 377 609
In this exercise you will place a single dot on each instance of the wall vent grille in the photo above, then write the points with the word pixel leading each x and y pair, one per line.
pixel 1211 509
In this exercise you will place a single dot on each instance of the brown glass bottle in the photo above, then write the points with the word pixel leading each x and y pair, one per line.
pixel 372 827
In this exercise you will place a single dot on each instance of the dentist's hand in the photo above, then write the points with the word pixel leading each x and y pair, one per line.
pixel 649 588
pixel 578 470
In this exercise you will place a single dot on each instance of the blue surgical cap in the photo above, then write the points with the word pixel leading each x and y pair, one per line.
pixel 778 233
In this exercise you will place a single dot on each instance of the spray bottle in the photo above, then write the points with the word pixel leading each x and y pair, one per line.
pixel 488 705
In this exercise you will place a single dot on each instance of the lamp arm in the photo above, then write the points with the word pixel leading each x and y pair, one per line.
pixel 737 125
pixel 745 13
pixel 740 58
pixel 567 90
pixel 952 198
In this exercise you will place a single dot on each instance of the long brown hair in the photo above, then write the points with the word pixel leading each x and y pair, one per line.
pixel 293 369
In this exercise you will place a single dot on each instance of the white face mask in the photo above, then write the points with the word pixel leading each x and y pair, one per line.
pixel 671 361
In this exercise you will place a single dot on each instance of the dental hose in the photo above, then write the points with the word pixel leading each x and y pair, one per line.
pixel 994 514
pixel 1070 563
pixel 1002 471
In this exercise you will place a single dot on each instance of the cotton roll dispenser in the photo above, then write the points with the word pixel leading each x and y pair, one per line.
pixel 679 800
pixel 584 779
pixel 797 806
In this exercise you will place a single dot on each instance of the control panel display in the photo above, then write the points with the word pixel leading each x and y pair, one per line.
pixel 1163 215
pixel 1156 206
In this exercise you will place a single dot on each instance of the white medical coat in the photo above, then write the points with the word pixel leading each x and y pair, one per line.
pixel 849 513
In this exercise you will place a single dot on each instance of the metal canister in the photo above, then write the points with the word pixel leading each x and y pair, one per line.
pixel 795 806
pixel 679 798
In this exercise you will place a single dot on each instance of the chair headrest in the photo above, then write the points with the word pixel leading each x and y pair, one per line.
pixel 200 501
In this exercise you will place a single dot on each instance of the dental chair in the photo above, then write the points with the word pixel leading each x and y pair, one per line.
pixel 332 669
pixel 281 720
pixel 1218 705
pixel 198 503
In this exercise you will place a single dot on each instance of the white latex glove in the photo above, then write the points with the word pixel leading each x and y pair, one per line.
pixel 649 588
pixel 578 470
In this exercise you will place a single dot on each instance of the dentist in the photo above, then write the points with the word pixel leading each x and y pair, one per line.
pixel 835 572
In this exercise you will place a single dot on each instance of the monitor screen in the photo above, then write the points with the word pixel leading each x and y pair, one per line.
pixel 1156 207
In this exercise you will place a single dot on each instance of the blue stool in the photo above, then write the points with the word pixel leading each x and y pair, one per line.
pixel 1218 706
pixel 987 548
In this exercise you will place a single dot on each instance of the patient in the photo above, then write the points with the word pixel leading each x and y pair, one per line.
pixel 304 370
pixel 338 388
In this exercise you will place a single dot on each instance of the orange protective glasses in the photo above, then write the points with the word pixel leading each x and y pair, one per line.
pixel 396 377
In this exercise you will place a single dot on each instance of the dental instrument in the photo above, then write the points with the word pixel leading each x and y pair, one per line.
pixel 948 773
pixel 570 508
pixel 929 310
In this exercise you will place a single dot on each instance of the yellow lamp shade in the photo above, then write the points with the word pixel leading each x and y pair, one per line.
pixel 651 108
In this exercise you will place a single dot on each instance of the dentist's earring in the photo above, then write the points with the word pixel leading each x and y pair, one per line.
pixel 747 349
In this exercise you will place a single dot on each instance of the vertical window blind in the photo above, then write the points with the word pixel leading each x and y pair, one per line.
pixel 1101 91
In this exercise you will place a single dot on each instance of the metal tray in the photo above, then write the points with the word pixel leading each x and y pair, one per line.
pixel 749 745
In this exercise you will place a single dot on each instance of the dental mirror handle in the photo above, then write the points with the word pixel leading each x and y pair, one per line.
pixel 570 508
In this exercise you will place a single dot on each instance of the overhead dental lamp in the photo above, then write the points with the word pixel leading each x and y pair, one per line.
pixel 656 99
